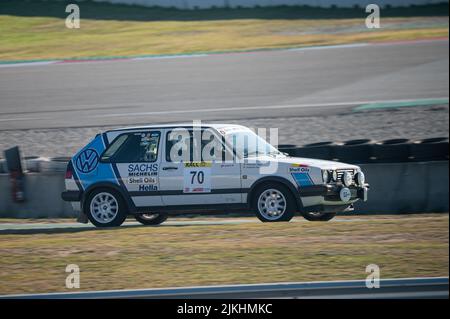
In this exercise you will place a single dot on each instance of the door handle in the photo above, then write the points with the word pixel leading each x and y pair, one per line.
pixel 169 168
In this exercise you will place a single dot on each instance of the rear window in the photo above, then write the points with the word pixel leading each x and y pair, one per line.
pixel 133 147
pixel 114 147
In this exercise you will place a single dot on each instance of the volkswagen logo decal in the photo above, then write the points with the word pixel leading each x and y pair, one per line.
pixel 87 161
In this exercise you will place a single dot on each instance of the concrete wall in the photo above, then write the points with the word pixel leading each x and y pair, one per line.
pixel 406 188
pixel 202 4
pixel 43 194
pixel 395 188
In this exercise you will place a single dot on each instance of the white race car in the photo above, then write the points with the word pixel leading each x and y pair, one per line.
pixel 154 171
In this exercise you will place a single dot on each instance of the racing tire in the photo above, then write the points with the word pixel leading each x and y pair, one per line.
pixel 151 219
pixel 430 149
pixel 318 217
pixel 353 151
pixel 105 207
pixel 289 149
pixel 391 151
pixel 274 203
pixel 322 150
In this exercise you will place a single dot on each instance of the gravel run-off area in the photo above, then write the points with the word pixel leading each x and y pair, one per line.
pixel 411 122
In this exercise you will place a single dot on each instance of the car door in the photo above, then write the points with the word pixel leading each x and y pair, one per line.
pixel 136 164
pixel 191 180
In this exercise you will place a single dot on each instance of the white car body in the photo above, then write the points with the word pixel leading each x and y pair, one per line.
pixel 159 184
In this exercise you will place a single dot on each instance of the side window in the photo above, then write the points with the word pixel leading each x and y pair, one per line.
pixel 134 148
pixel 181 145
pixel 178 145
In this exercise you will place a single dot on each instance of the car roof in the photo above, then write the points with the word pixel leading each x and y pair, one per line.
pixel 216 126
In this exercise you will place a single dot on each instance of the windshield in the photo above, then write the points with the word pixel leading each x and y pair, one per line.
pixel 248 144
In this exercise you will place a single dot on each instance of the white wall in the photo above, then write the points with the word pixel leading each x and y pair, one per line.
pixel 190 4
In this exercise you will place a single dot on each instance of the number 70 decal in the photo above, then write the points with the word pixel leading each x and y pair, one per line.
pixel 197 178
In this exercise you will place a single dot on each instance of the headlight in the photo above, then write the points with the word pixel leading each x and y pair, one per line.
pixel 334 175
pixel 361 178
pixel 325 176
pixel 347 179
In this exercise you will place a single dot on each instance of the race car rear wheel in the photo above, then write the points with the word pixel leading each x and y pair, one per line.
pixel 151 218
pixel 105 207
pixel 318 216
pixel 274 203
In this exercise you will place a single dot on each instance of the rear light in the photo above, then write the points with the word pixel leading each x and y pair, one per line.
pixel 69 172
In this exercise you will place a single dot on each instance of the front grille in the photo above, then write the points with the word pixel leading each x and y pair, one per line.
pixel 340 172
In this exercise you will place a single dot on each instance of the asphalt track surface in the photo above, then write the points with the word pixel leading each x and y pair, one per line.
pixel 269 84
pixel 405 288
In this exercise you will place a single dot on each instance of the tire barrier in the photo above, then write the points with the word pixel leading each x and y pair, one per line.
pixel 355 151
pixel 54 164
pixel 364 151
pixel 358 151
pixel 289 149
pixel 391 151
pixel 429 149
pixel 33 164
pixel 322 150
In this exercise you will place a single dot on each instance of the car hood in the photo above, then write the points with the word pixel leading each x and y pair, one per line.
pixel 323 164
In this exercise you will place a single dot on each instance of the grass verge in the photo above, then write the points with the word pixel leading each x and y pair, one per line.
pixel 145 257
pixel 36 30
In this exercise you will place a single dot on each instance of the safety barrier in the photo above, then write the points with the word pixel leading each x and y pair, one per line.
pixel 364 151
pixel 414 187
pixel 405 177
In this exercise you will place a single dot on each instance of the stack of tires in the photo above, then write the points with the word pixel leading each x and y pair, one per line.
pixel 430 149
pixel 362 151
pixel 37 164
pixel 54 164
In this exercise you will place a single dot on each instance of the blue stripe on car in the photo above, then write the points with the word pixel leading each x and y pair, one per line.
pixel 102 173
pixel 302 179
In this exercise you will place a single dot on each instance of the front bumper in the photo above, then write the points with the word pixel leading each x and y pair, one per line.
pixel 331 192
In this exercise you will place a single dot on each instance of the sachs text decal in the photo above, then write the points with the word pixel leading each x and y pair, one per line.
pixel 143 169
pixel 141 177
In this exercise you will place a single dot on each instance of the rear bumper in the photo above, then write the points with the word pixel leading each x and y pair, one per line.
pixel 71 196
pixel 331 192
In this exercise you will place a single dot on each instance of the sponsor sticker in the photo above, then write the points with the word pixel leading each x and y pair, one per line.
pixel 147 188
pixel 197 177
pixel 299 168
pixel 142 180
pixel 141 170
pixel 197 164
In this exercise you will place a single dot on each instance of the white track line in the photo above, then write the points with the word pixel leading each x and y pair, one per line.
pixel 223 109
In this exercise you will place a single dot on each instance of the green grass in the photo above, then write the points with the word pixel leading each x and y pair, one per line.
pixel 145 257
pixel 36 30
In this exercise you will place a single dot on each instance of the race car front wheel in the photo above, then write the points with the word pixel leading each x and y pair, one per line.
pixel 151 218
pixel 274 203
pixel 105 208
pixel 318 216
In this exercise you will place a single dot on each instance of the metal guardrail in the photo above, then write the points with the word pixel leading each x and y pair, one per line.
pixel 407 288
